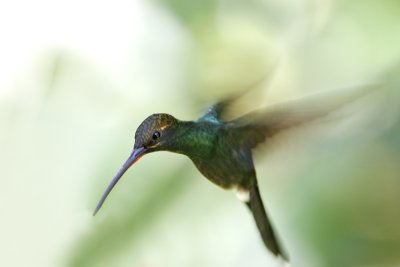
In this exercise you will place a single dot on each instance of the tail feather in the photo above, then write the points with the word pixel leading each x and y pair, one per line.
pixel 263 224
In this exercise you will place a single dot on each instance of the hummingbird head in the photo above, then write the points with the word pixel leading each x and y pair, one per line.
pixel 151 135
pixel 155 131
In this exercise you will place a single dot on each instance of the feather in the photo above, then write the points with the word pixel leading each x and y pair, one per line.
pixel 263 224
pixel 256 127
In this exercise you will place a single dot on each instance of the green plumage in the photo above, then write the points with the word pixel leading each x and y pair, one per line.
pixel 222 150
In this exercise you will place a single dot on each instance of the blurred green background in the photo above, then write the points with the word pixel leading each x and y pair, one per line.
pixel 78 77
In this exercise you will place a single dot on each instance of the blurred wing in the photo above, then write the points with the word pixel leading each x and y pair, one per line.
pixel 222 110
pixel 256 127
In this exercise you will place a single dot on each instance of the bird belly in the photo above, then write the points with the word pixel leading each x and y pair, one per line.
pixel 227 181
pixel 228 175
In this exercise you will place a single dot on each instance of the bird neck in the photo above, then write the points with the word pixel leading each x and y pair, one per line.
pixel 193 139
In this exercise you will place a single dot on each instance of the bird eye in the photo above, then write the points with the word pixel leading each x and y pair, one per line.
pixel 156 135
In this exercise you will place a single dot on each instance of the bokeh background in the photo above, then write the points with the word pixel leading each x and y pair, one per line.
pixel 78 77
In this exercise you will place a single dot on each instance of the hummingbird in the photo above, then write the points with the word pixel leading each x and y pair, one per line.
pixel 222 149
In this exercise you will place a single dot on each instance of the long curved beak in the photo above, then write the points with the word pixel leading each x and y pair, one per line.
pixel 135 156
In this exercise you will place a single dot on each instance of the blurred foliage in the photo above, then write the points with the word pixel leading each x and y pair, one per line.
pixel 77 78
pixel 116 232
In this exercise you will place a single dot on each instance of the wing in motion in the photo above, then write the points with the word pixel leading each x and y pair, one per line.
pixel 256 127
pixel 221 110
